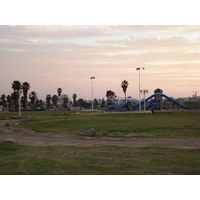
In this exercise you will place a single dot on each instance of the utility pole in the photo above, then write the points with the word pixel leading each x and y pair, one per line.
pixel 138 69
pixel 92 90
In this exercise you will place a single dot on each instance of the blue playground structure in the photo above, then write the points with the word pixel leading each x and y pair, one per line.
pixel 155 103
pixel 127 105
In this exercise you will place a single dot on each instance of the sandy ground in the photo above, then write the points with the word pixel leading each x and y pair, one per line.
pixel 11 131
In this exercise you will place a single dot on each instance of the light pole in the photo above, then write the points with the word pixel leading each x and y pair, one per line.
pixel 138 69
pixel 68 103
pixel 19 92
pixel 92 89
pixel 144 92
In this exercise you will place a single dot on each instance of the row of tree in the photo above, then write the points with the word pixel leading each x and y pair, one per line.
pixel 20 93
pixel 21 90
pixel 12 100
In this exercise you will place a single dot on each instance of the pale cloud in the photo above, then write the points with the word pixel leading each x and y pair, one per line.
pixel 32 40
pixel 53 31
pixel 51 41
pixel 5 40
pixel 168 63
pixel 17 50
pixel 67 56
pixel 167 43
pixel 162 29
pixel 93 31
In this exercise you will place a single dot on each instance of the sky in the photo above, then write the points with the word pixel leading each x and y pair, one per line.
pixel 66 56
pixel 108 40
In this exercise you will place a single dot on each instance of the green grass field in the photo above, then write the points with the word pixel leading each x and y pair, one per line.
pixel 173 125
pixel 117 160
pixel 33 113
pixel 104 160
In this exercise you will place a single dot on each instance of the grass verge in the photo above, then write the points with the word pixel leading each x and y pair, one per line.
pixel 173 125
pixel 103 160
pixel 34 114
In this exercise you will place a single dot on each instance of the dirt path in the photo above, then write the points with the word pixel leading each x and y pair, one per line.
pixel 10 130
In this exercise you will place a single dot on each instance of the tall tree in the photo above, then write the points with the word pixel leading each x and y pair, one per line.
pixel 96 102
pixel 124 86
pixel 65 102
pixel 23 101
pixel 80 102
pixel 37 103
pixel 54 99
pixel 25 87
pixel 9 100
pixel 3 97
pixel 16 86
pixel 48 99
pixel 110 96
pixel 103 103
pixel 41 103
pixel 59 90
pixel 74 99
pixel 33 97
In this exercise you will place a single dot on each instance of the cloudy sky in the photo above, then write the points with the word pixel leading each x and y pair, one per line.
pixel 49 57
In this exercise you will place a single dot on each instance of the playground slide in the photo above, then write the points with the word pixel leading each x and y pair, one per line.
pixel 124 106
pixel 177 103
pixel 151 105
pixel 110 108
pixel 117 109
pixel 137 105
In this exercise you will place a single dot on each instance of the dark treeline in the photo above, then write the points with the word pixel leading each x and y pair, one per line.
pixel 28 100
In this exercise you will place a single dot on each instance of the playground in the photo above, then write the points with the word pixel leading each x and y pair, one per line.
pixel 128 141
pixel 153 103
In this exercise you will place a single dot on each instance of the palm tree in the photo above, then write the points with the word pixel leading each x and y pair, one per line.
pixel 3 97
pixel 25 87
pixel 65 102
pixel 103 103
pixel 41 103
pixel 48 99
pixel 37 103
pixel 33 97
pixel 80 102
pixel 16 86
pixel 9 100
pixel 96 102
pixel 59 90
pixel 74 98
pixel 54 99
pixel 124 86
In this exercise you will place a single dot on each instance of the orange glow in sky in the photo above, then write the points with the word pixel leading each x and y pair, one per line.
pixel 49 57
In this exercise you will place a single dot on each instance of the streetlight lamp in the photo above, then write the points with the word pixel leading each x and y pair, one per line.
pixel 92 89
pixel 138 69
pixel 144 92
